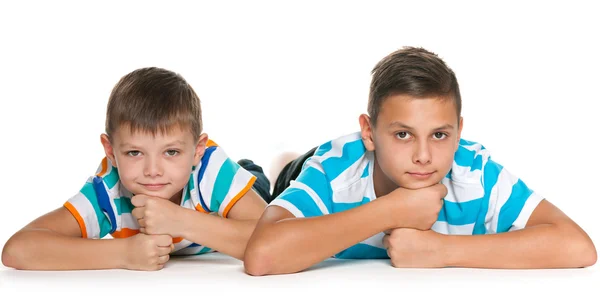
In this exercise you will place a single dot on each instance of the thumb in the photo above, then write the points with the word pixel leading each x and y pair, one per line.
pixel 138 201
pixel 442 189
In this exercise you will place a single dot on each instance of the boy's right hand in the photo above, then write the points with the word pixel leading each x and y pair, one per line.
pixel 147 252
pixel 418 208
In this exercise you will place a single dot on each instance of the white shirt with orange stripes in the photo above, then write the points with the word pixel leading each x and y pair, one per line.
pixel 103 205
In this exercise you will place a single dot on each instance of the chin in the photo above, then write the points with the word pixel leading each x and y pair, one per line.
pixel 418 185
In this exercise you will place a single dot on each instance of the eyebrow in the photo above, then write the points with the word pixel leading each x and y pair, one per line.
pixel 175 143
pixel 171 144
pixel 402 125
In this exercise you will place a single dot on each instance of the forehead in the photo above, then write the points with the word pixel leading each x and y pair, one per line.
pixel 172 134
pixel 422 112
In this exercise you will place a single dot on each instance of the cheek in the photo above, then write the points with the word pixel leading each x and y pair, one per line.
pixel 127 168
pixel 394 161
pixel 445 157
pixel 182 167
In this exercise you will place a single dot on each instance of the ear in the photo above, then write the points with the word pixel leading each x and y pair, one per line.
pixel 108 149
pixel 366 132
pixel 200 148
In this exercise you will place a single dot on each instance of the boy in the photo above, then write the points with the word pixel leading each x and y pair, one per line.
pixel 163 188
pixel 409 188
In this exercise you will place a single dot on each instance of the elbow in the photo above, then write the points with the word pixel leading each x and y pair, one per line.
pixel 589 255
pixel 581 249
pixel 257 260
pixel 12 256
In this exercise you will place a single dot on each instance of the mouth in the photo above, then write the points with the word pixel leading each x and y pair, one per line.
pixel 420 175
pixel 153 186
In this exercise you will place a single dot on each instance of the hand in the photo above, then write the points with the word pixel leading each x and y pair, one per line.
pixel 147 252
pixel 412 248
pixel 418 208
pixel 157 215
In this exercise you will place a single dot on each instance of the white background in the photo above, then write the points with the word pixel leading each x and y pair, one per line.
pixel 287 76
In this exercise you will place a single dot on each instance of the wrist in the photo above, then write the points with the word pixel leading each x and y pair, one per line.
pixel 393 210
pixel 396 210
pixel 185 223
pixel 450 254
pixel 122 255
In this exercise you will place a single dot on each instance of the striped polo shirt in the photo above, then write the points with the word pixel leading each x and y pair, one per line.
pixel 103 205
pixel 483 197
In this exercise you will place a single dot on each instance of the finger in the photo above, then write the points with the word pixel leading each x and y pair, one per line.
pixel 386 241
pixel 164 240
pixel 388 231
pixel 164 250
pixel 163 259
pixel 142 222
pixel 143 230
pixel 138 201
pixel 138 212
pixel 443 190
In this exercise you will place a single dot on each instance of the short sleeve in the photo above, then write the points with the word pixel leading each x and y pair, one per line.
pixel 84 206
pixel 310 195
pixel 221 181
pixel 511 201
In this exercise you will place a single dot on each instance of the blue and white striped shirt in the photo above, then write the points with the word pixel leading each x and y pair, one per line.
pixel 483 197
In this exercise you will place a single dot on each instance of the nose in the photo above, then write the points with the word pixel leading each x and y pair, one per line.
pixel 153 167
pixel 422 153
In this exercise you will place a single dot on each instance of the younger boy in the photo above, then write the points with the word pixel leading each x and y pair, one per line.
pixel 163 188
pixel 409 188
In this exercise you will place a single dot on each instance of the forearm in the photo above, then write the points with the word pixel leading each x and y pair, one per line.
pixel 228 236
pixel 43 249
pixel 292 245
pixel 536 247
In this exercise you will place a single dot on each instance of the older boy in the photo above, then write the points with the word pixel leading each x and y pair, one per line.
pixel 409 188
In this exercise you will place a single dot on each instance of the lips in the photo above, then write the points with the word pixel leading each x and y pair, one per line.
pixel 153 186
pixel 421 175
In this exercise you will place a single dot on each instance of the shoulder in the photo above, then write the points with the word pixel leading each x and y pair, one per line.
pixel 469 161
pixel 216 168
pixel 343 160
pixel 107 173
pixel 213 158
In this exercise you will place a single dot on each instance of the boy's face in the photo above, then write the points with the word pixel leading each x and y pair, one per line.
pixel 154 165
pixel 414 141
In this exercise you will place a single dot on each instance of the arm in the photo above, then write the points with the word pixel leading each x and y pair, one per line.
pixel 53 242
pixel 282 243
pixel 227 235
pixel 550 240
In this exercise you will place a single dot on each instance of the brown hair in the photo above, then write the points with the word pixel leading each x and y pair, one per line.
pixel 153 99
pixel 415 72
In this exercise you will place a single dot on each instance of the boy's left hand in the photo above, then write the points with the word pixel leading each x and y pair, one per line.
pixel 413 248
pixel 156 215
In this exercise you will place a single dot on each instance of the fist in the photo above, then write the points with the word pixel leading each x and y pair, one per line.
pixel 148 252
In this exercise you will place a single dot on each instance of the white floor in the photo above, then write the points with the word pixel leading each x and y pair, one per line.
pixel 218 276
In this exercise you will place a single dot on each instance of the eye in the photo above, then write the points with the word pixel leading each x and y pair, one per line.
pixel 171 152
pixel 439 135
pixel 134 153
pixel 403 135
